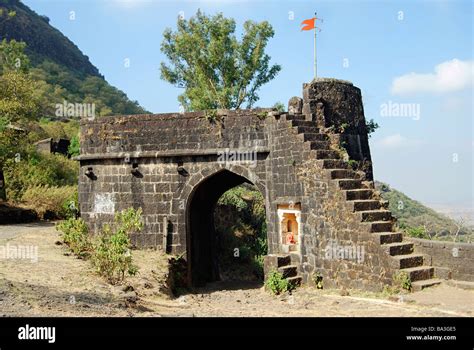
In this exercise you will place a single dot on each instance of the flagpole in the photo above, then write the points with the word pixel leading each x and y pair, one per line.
pixel 315 62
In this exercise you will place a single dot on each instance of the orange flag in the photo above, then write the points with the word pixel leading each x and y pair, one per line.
pixel 308 24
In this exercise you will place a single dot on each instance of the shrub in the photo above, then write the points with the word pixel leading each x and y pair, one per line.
pixel 318 280
pixel 371 126
pixel 55 202
pixel 74 148
pixel 38 169
pixel 279 106
pixel 111 255
pixel 417 232
pixel 277 284
pixel 75 235
pixel 402 280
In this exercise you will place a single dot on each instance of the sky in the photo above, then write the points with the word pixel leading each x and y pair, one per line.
pixel 413 61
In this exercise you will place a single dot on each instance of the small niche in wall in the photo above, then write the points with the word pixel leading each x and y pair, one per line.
pixel 289 223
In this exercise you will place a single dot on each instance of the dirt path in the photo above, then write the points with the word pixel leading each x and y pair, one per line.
pixel 61 285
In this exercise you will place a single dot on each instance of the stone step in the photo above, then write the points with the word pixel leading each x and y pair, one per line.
pixel 419 273
pixel 334 164
pixel 342 174
pixel 388 237
pixel 283 260
pixel 376 215
pixel 319 145
pixel 381 226
pixel 365 204
pixel 307 129
pixel 314 137
pixel 300 122
pixel 420 285
pixel 326 154
pixel 407 261
pixel 349 184
pixel 399 248
pixel 288 271
pixel 295 281
pixel 359 194
pixel 295 117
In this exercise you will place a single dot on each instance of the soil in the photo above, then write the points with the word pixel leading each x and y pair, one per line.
pixel 59 284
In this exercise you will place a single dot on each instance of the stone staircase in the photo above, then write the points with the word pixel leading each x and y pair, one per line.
pixel 362 201
pixel 287 269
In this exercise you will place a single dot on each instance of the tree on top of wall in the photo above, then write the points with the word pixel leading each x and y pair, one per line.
pixel 216 69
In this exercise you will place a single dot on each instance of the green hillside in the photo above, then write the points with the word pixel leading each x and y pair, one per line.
pixel 419 220
pixel 41 69
pixel 62 71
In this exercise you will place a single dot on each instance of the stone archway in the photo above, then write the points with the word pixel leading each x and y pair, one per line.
pixel 200 231
pixel 317 157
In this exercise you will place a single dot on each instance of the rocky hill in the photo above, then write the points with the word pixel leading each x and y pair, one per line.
pixel 62 71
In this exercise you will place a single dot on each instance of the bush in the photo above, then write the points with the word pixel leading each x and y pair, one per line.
pixel 38 169
pixel 318 280
pixel 417 232
pixel 74 147
pixel 402 280
pixel 51 201
pixel 277 284
pixel 111 255
pixel 75 235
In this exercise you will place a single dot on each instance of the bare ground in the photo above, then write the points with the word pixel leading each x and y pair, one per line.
pixel 59 284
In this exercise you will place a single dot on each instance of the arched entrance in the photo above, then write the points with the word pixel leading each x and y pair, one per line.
pixel 202 252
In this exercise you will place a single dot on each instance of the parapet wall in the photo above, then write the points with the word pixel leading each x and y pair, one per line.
pixel 451 260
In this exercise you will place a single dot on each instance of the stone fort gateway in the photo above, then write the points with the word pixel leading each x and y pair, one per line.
pixel 312 165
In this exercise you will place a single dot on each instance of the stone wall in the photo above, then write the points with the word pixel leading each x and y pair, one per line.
pixel 336 107
pixel 451 260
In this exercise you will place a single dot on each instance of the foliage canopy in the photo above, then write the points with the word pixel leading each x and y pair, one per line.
pixel 215 68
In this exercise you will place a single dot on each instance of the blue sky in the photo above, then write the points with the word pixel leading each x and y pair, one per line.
pixel 398 52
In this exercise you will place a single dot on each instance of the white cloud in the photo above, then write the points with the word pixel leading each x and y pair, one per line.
pixel 397 141
pixel 448 76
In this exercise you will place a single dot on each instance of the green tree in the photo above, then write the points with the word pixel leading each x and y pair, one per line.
pixel 17 98
pixel 213 66
pixel 279 106
pixel 13 57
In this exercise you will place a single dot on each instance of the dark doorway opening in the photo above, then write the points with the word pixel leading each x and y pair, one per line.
pixel 211 251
